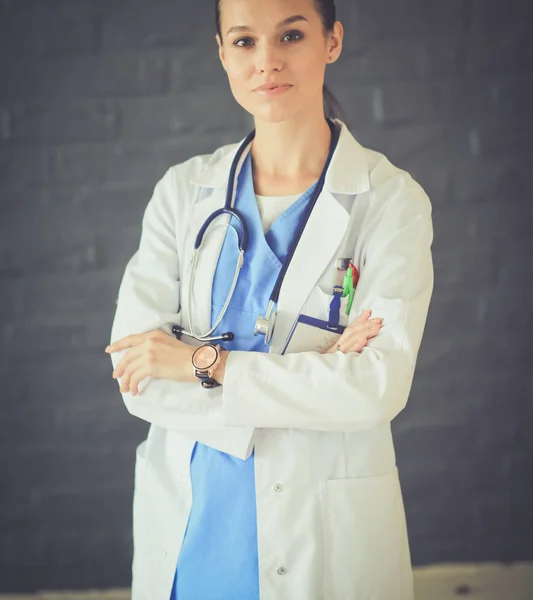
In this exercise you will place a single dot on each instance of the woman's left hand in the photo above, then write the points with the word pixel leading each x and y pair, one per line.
pixel 155 354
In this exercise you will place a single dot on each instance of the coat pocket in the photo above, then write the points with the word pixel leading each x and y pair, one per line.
pixel 317 305
pixel 366 548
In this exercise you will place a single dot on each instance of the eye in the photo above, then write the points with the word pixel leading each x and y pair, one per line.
pixel 294 35
pixel 245 39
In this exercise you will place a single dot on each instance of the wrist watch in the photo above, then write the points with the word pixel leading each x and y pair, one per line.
pixel 205 361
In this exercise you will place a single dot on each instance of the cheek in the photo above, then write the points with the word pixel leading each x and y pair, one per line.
pixel 238 71
pixel 241 79
pixel 311 70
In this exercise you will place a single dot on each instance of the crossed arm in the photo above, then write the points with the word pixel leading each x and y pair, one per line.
pixel 334 391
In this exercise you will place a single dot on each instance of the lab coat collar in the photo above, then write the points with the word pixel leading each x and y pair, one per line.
pixel 347 173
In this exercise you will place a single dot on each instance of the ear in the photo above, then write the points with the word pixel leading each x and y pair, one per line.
pixel 335 38
pixel 220 51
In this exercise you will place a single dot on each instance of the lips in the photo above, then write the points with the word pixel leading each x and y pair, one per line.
pixel 271 86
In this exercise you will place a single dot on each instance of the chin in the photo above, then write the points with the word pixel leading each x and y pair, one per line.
pixel 272 113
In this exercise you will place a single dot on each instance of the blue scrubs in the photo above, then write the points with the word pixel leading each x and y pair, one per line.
pixel 219 556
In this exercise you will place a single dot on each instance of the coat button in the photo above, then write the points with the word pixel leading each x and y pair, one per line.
pixel 163 554
pixel 278 487
pixel 281 571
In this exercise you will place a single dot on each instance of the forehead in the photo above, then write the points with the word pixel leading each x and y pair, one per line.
pixel 264 14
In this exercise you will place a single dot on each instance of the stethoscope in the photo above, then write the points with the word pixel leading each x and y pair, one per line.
pixel 264 325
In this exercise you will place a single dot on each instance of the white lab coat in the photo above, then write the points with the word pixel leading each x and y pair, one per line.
pixel 330 515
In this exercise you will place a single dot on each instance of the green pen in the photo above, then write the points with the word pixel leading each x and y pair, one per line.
pixel 348 289
pixel 350 301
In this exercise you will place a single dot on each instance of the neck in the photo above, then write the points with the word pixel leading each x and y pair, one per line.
pixel 290 150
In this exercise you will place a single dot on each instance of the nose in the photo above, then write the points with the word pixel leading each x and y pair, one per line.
pixel 268 58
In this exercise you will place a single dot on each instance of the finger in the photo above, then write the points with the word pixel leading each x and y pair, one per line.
pixel 368 333
pixel 356 347
pixel 127 342
pixel 373 327
pixel 354 344
pixel 359 327
pixel 128 374
pixel 368 326
pixel 346 342
pixel 359 338
pixel 364 315
pixel 132 354
pixel 344 339
pixel 136 378
pixel 361 318
pixel 362 328
pixel 355 337
pixel 358 322
pixel 373 324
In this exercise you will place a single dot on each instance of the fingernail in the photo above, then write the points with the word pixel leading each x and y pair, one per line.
pixel 107 348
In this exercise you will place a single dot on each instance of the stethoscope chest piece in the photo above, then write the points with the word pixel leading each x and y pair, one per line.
pixel 264 325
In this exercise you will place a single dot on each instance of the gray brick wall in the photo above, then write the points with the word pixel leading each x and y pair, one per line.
pixel 97 99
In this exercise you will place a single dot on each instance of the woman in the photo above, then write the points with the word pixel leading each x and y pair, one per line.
pixel 278 479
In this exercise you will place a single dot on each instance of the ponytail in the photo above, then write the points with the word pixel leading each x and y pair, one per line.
pixel 332 107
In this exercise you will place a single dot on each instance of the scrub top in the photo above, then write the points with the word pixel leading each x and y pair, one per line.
pixel 219 555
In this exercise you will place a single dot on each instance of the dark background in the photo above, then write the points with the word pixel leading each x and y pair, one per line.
pixel 97 99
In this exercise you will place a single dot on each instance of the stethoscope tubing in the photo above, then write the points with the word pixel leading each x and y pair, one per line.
pixel 264 325
pixel 274 296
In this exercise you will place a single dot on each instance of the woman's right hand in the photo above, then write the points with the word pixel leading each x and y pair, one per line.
pixel 357 334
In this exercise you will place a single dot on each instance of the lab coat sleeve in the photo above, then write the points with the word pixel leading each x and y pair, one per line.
pixel 148 299
pixel 353 391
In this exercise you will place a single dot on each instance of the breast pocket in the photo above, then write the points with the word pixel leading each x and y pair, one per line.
pixel 318 303
pixel 366 549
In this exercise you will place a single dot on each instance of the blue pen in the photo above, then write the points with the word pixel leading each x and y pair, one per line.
pixel 335 308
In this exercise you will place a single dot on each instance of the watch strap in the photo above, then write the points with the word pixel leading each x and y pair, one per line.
pixel 208 382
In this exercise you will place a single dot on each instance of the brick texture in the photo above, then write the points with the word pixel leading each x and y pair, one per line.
pixel 97 99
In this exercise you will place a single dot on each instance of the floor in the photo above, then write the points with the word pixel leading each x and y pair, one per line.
pixel 487 581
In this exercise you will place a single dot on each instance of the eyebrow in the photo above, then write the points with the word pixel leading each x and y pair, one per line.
pixel 288 21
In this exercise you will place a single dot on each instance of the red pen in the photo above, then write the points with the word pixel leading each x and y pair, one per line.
pixel 355 274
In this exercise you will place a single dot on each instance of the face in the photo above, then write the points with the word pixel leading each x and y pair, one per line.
pixel 276 41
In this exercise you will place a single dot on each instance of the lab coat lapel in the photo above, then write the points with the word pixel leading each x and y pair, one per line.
pixel 348 174
pixel 321 238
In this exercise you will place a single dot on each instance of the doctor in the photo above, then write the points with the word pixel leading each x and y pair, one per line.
pixel 278 479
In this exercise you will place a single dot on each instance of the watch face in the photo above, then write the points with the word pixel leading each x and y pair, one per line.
pixel 205 357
